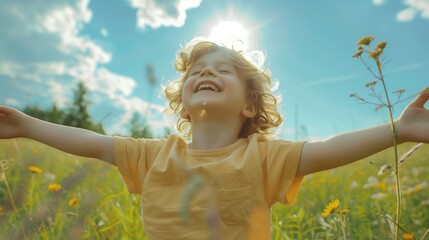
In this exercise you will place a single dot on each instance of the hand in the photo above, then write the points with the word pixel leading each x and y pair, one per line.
pixel 413 124
pixel 12 123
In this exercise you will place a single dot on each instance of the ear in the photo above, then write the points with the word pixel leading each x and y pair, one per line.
pixel 249 110
pixel 185 114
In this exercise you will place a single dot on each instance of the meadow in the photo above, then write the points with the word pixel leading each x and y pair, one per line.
pixel 48 194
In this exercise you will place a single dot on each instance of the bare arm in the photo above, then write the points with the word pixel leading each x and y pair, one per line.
pixel 412 125
pixel 81 142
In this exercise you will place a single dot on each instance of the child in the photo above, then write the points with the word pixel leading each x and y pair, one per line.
pixel 222 184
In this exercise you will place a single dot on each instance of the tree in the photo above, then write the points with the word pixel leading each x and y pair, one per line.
pixel 54 115
pixel 77 114
pixel 138 128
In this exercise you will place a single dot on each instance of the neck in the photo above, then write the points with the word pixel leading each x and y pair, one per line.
pixel 214 134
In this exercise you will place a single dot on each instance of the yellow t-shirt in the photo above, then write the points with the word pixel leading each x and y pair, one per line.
pixel 209 194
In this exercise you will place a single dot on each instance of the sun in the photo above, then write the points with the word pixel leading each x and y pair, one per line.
pixel 231 34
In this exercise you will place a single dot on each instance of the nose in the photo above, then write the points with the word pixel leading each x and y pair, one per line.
pixel 207 71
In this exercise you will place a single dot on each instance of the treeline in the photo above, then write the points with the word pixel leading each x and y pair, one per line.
pixel 76 114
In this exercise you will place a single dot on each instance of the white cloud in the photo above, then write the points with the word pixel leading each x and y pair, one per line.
pixel 59 93
pixel 104 32
pixel 44 55
pixel 414 8
pixel 157 13
pixel 406 15
pixel 378 2
pixel 11 101
pixel 114 84
pixel 411 11
pixel 147 110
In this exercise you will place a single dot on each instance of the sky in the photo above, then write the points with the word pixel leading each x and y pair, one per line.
pixel 47 47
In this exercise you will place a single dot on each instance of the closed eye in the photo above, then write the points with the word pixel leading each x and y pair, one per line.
pixel 224 71
pixel 195 73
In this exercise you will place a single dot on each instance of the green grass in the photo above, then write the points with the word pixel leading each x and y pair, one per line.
pixel 106 211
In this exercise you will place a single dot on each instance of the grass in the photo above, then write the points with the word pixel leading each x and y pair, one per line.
pixel 104 209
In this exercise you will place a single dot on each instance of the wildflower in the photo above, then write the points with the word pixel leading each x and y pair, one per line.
pixel 371 84
pixel 353 184
pixel 358 54
pixel 54 187
pixel 378 196
pixel 72 201
pixel 415 189
pixel 34 169
pixel 399 91
pixel 409 153
pixel 381 45
pixel 330 208
pixel 344 211
pixel 408 236
pixel 365 41
pixel 375 53
pixel 383 168
pixel 1 209
pixel 35 150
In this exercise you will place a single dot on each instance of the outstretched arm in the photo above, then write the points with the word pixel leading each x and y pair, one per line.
pixel 81 142
pixel 412 126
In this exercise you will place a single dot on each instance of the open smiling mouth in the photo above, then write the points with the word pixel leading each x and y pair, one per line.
pixel 208 87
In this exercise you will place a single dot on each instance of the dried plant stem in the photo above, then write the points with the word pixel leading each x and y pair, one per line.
pixel 395 147
pixel 425 234
pixel 9 193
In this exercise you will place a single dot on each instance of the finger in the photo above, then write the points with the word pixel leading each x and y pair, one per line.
pixel 421 99
pixel 5 110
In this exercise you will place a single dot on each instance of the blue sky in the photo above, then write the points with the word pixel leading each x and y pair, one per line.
pixel 47 46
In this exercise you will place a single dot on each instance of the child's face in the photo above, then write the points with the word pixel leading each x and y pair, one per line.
pixel 214 85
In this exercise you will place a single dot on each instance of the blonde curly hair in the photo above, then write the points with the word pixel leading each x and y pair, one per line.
pixel 258 81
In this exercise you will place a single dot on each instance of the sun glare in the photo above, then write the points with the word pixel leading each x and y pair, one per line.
pixel 231 34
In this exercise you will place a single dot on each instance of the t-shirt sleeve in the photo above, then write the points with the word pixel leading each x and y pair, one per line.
pixel 282 160
pixel 133 158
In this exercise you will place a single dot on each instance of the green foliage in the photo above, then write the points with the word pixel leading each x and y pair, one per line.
pixel 104 209
pixel 54 114
pixel 138 128
pixel 77 113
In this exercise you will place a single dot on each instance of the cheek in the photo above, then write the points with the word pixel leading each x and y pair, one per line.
pixel 238 89
pixel 187 88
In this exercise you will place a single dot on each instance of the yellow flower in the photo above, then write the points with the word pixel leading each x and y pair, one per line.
pixel 376 53
pixel 72 201
pixel 35 150
pixel 1 209
pixel 344 211
pixel 330 208
pixel 358 54
pixel 54 187
pixel 408 236
pixel 381 45
pixel 34 169
pixel 365 41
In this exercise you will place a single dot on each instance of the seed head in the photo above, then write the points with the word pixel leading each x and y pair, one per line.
pixel 375 53
pixel 358 54
pixel 381 45
pixel 371 84
pixel 365 41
